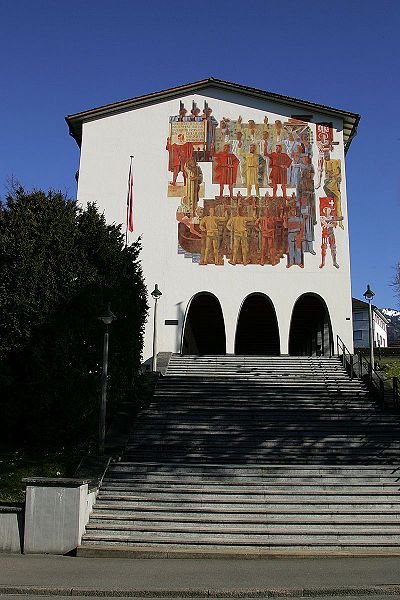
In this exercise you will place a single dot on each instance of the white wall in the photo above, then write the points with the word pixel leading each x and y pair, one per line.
pixel 380 331
pixel 106 146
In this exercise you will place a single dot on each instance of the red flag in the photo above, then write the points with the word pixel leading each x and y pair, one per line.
pixel 129 201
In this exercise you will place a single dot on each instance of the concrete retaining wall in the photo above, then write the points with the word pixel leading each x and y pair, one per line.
pixel 11 529
pixel 56 514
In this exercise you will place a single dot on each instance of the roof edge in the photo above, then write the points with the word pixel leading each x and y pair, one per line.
pixel 75 120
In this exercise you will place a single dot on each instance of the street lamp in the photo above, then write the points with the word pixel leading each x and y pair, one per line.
pixel 108 317
pixel 156 294
pixel 368 295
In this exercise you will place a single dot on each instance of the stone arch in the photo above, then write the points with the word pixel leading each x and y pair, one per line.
pixel 257 331
pixel 204 326
pixel 310 331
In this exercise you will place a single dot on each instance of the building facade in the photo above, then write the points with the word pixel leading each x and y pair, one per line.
pixel 240 203
pixel 361 325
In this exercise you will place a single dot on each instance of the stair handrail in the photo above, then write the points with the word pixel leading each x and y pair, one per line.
pixel 396 393
pixel 362 369
pixel 347 357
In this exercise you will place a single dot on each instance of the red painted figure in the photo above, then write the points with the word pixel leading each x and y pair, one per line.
pixel 179 154
pixel 225 168
pixel 266 225
pixel 278 163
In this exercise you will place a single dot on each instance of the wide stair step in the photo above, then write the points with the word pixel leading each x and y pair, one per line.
pixel 253 456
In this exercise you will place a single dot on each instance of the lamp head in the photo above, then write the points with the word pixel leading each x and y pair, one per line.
pixel 368 294
pixel 156 292
pixel 108 317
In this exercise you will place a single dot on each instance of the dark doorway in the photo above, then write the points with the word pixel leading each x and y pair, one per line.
pixel 310 328
pixel 204 327
pixel 257 329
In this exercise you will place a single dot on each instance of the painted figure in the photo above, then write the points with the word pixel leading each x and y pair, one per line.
pixel 209 227
pixel 252 167
pixel 179 154
pixel 305 145
pixel 266 225
pixel 305 187
pixel 237 144
pixel 237 225
pixel 194 177
pixel 225 130
pixel 307 216
pixel 195 113
pixel 279 162
pixel 225 165
pixel 295 168
pixel 333 178
pixel 295 239
pixel 278 134
pixel 280 230
pixel 328 223
pixel 212 124
pixel 182 114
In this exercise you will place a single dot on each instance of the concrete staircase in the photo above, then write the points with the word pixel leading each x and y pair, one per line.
pixel 253 456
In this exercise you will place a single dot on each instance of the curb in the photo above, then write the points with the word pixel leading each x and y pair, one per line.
pixel 382 590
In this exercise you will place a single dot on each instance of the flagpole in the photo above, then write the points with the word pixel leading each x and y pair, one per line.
pixel 127 204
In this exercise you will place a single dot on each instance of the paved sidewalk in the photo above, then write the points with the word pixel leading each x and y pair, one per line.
pixel 66 576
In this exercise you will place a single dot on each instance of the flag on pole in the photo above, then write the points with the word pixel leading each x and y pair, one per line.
pixel 129 201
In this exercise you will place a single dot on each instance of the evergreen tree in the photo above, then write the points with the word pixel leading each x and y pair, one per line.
pixel 59 266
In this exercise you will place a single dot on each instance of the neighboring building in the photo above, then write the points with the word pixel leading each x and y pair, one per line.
pixel 241 206
pixel 361 325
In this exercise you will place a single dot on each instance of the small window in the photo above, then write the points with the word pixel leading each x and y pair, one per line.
pixel 358 334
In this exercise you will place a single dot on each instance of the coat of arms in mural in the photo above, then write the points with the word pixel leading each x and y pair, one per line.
pixel 265 210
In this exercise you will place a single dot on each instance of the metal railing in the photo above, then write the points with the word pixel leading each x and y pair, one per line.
pixel 358 366
pixel 396 394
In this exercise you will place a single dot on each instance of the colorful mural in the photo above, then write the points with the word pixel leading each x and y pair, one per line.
pixel 328 210
pixel 265 210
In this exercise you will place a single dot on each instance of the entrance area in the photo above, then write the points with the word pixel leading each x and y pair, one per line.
pixel 310 328
pixel 257 328
pixel 204 327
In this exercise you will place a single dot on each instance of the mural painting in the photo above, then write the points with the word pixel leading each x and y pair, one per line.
pixel 328 210
pixel 265 210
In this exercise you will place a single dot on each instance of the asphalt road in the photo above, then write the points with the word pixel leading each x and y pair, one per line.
pixel 63 576
pixel 35 597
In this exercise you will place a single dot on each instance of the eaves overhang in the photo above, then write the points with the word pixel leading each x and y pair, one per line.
pixel 75 121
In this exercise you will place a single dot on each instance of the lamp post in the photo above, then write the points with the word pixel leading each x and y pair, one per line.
pixel 156 294
pixel 108 317
pixel 368 295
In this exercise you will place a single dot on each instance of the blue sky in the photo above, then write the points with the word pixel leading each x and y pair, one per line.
pixel 60 57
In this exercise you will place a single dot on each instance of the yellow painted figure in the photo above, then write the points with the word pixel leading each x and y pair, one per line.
pixel 333 178
pixel 237 225
pixel 209 226
pixel 251 168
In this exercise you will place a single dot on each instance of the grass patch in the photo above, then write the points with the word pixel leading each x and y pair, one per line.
pixel 16 463
pixel 390 366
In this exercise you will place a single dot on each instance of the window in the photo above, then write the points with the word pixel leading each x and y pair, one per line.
pixel 358 334
pixel 360 316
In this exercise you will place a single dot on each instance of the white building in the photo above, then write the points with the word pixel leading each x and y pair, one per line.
pixel 361 325
pixel 252 252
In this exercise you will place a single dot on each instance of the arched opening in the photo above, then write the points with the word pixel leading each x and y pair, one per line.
pixel 257 328
pixel 310 328
pixel 204 331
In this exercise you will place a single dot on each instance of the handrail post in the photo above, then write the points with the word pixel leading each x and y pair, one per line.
pixel 361 367
pixel 382 391
pixel 351 366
